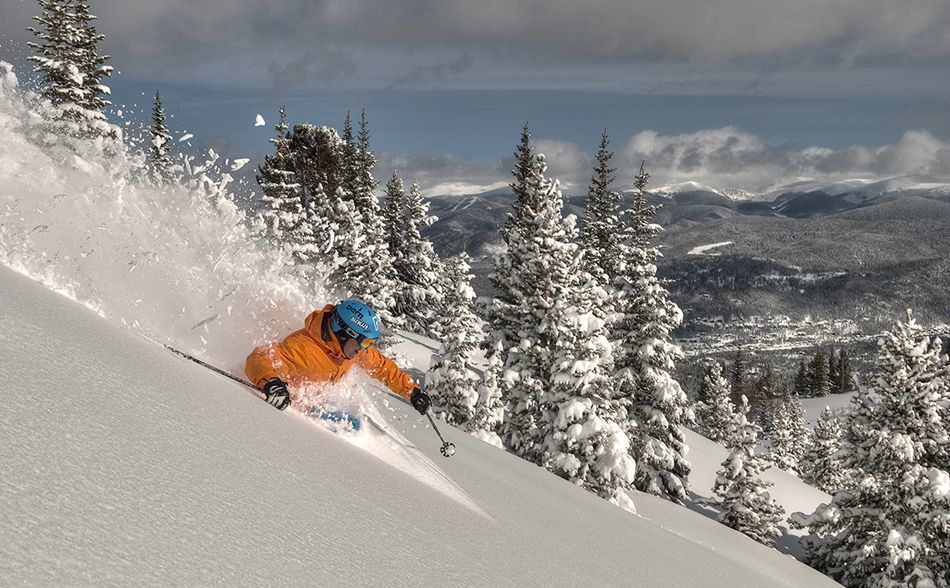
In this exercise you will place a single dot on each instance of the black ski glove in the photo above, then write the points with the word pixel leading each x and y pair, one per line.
pixel 420 400
pixel 276 393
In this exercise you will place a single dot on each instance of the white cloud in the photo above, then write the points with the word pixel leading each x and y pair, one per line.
pixel 566 161
pixel 721 158
pixel 730 158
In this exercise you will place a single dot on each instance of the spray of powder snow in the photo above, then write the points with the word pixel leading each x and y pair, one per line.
pixel 177 264
pixel 358 395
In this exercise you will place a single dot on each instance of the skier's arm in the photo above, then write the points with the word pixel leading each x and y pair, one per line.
pixel 259 365
pixel 386 371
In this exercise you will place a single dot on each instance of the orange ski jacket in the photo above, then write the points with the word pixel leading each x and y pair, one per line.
pixel 314 355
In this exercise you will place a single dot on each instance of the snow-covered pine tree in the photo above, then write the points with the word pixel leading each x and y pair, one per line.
pixel 823 467
pixel 789 435
pixel 490 410
pixel 418 268
pixel 394 215
pixel 503 312
pixel 834 371
pixel 743 496
pixel 586 442
pixel 890 526
pixel 450 381
pixel 761 391
pixel 716 416
pixel 552 346
pixel 332 233
pixel 845 382
pixel 282 194
pixel 157 161
pixel 369 275
pixel 739 376
pixel 818 381
pixel 351 158
pixel 801 386
pixel 653 400
pixel 538 265
pixel 91 64
pixel 801 436
pixel 599 237
pixel 319 153
pixel 55 58
pixel 641 181
pixel 72 69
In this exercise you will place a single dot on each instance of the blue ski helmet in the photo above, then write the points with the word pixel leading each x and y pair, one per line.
pixel 353 319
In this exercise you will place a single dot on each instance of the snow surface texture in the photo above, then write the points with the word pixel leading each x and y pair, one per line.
pixel 126 464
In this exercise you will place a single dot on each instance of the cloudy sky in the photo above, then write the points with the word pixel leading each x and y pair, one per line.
pixel 733 93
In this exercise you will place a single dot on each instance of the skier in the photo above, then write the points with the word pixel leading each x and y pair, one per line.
pixel 332 341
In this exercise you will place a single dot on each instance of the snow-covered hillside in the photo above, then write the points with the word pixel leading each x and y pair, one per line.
pixel 125 464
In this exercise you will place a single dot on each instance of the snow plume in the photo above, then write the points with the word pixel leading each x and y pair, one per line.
pixel 731 158
pixel 178 264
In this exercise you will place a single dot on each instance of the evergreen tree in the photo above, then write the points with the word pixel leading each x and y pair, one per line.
pixel 489 411
pixel 91 65
pixel 586 443
pixel 158 162
pixel 890 526
pixel 641 180
pixel 320 163
pixel 505 312
pixel 71 67
pixel 450 380
pixel 371 275
pixel 845 382
pixel 332 229
pixel 789 436
pixel 762 391
pixel 716 416
pixel 600 239
pixel 558 408
pixel 351 157
pixel 282 196
pixel 394 216
pixel 738 376
pixel 818 381
pixel 823 466
pixel 419 299
pixel 743 497
pixel 652 399
pixel 502 313
pixel 834 371
pixel 802 386
pixel 541 256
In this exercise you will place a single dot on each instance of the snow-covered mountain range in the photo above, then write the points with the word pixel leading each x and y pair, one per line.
pixel 855 187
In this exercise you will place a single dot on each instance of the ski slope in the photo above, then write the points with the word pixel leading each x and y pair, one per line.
pixel 123 464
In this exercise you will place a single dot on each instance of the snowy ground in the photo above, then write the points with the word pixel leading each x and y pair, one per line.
pixel 122 464
pixel 125 464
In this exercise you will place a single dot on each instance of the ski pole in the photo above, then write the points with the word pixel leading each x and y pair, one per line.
pixel 258 392
pixel 447 449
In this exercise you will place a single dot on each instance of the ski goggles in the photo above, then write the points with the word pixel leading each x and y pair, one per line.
pixel 362 340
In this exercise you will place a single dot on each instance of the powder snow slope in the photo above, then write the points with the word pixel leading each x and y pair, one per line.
pixel 122 464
